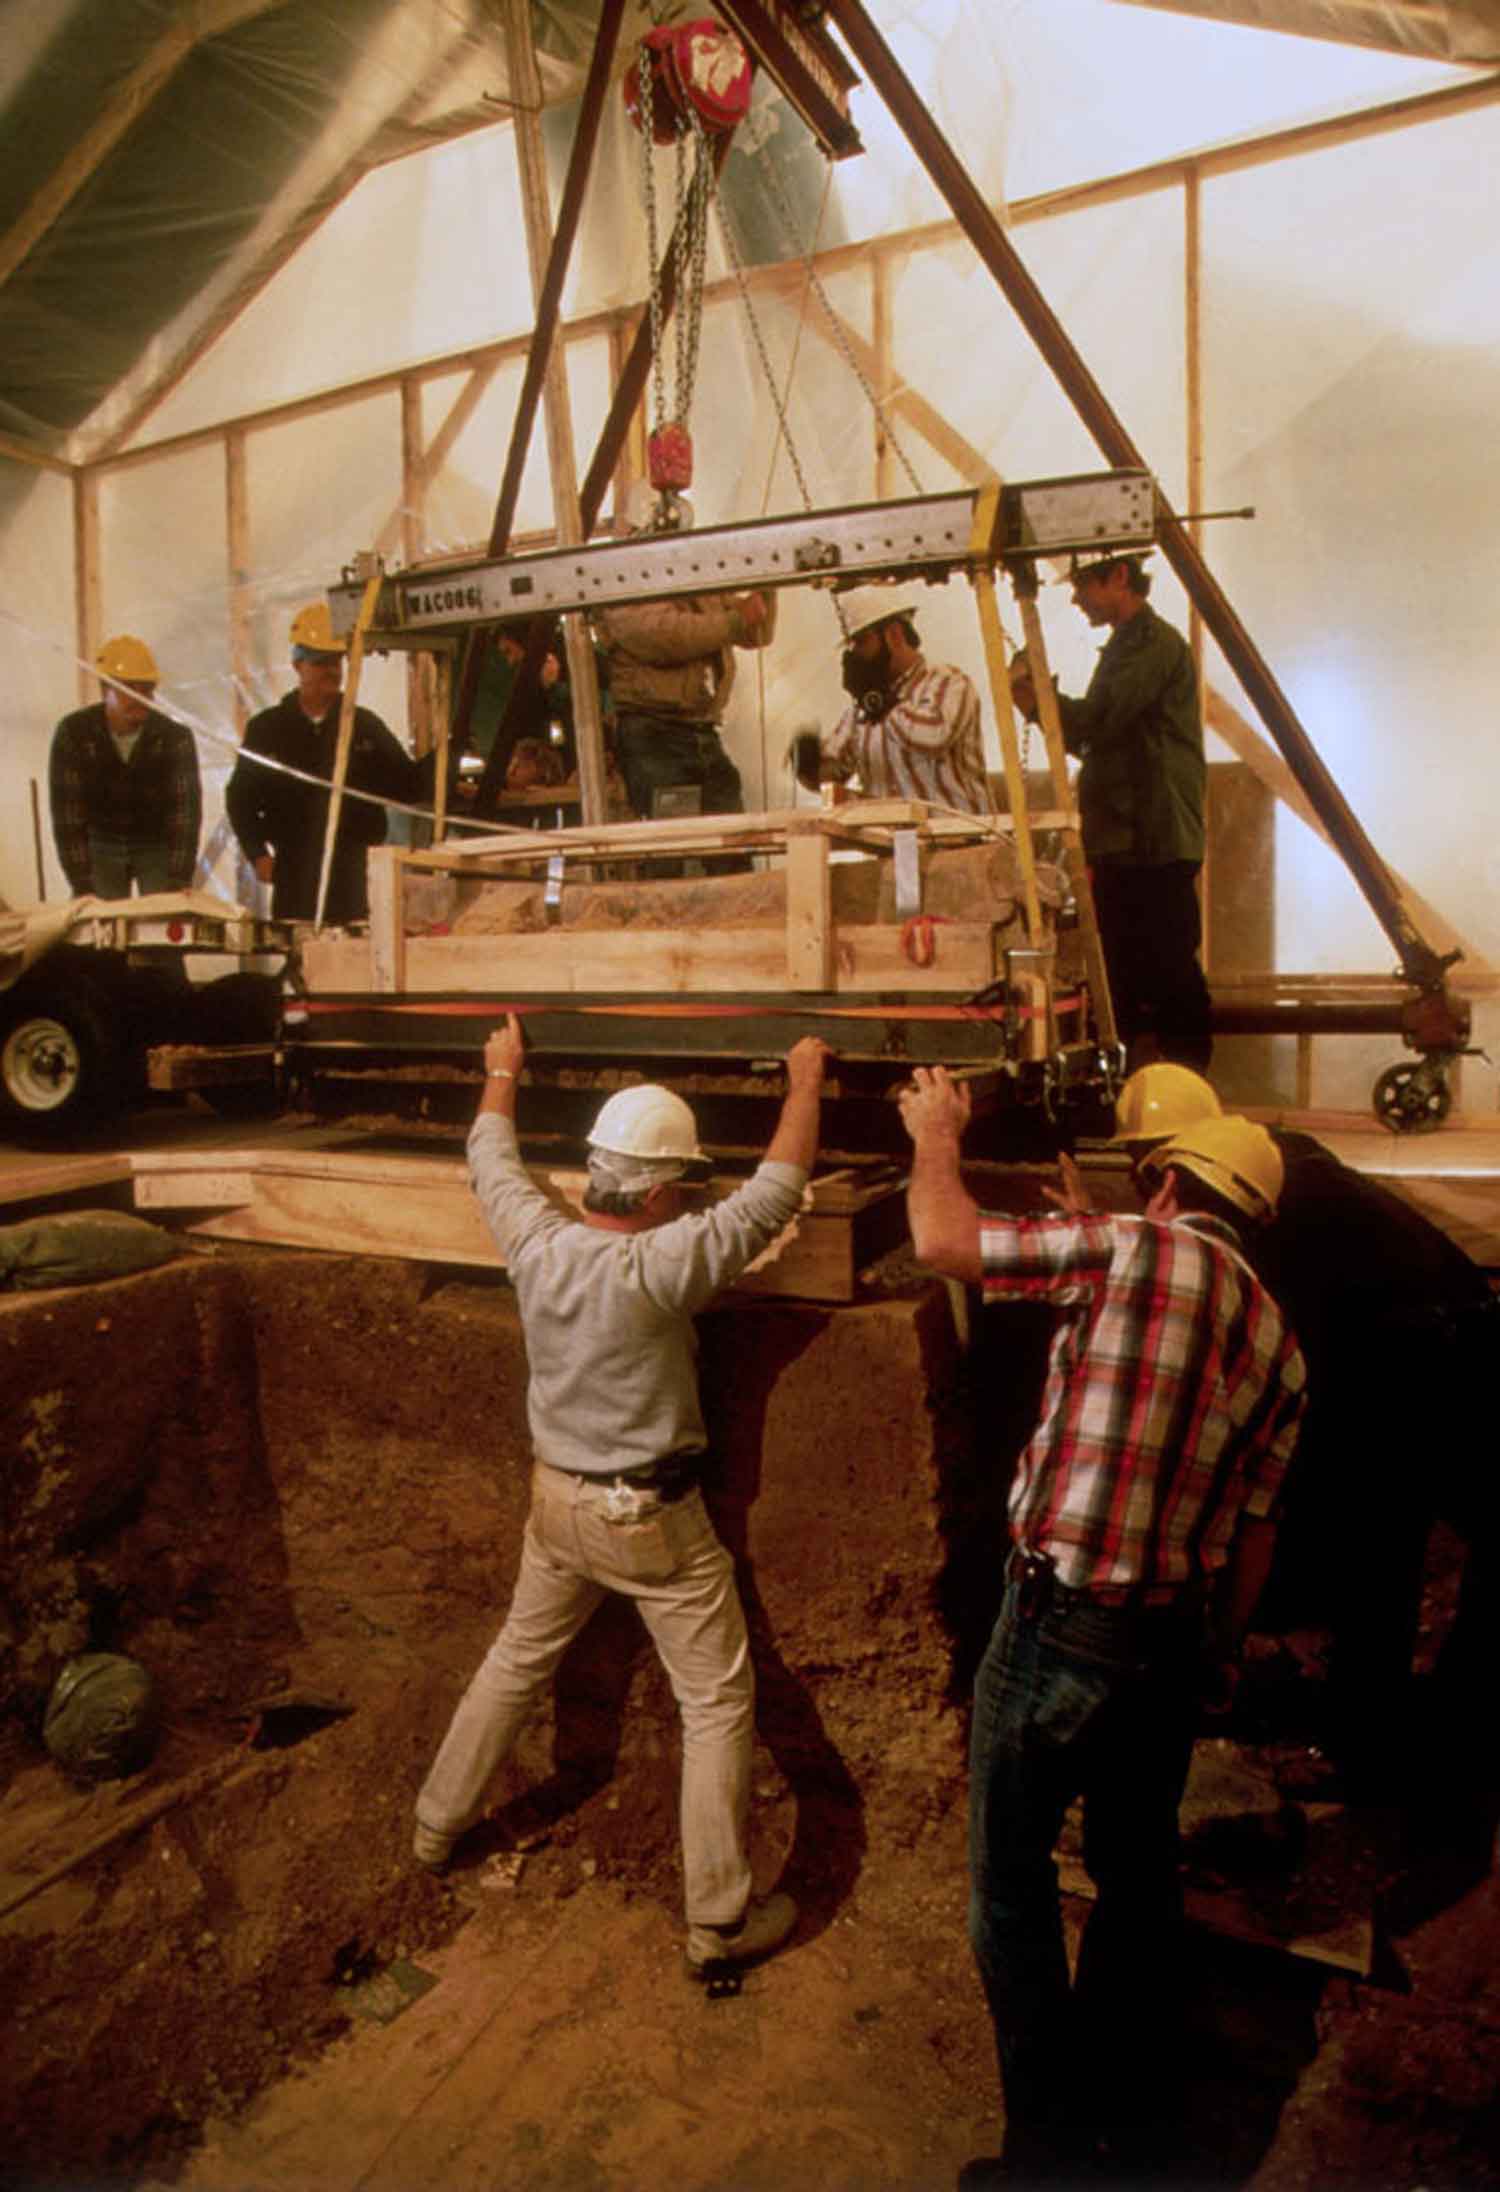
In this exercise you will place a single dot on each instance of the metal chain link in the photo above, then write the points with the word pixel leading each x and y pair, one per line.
pixel 807 253
pixel 647 97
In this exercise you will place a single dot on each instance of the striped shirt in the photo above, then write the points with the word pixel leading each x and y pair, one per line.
pixel 1173 1395
pixel 925 746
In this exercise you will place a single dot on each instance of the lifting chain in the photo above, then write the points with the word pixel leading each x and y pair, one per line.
pixel 671 462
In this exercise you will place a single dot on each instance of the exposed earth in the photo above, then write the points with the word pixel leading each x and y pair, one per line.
pixel 293 1485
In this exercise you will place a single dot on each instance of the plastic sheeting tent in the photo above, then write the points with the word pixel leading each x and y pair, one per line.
pixel 251 258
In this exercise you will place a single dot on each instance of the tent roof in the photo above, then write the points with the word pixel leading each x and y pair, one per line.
pixel 161 159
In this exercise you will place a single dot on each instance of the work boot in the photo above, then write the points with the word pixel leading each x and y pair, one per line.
pixel 431 1848
pixel 764 1927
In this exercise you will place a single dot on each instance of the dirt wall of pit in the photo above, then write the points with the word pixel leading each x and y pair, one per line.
pixel 289 1483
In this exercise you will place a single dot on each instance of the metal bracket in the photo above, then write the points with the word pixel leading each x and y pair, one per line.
pixel 908 874
pixel 552 898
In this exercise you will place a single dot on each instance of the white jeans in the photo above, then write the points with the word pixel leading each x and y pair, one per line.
pixel 578 1545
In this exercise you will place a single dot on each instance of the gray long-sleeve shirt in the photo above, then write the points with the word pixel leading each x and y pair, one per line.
pixel 608 1316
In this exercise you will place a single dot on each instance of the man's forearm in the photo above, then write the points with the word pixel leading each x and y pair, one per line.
pixel 795 1141
pixel 943 1216
pixel 499 1093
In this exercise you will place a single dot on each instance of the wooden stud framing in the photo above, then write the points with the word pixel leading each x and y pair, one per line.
pixel 237 543
pixel 86 577
pixel 810 957
pixel 583 675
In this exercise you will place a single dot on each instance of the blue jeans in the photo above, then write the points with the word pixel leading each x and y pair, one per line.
pixel 659 754
pixel 1081 1699
pixel 117 861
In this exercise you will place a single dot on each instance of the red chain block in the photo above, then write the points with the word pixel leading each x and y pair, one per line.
pixel 669 456
pixel 699 63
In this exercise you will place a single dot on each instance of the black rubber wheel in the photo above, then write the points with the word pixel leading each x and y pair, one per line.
pixel 240 1008
pixel 63 1061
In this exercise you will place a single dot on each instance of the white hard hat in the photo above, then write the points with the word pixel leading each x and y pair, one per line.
pixel 646 1122
pixel 863 606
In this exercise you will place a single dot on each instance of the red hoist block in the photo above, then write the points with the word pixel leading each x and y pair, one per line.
pixel 700 63
pixel 669 456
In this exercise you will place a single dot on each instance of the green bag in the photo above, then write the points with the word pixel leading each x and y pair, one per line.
pixel 73 1246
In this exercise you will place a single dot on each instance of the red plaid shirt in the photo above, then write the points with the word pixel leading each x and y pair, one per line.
pixel 1173 1394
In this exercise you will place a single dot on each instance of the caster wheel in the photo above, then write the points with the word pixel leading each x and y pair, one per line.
pixel 1412 1099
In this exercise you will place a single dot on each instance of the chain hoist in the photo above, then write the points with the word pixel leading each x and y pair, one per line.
pixel 687 85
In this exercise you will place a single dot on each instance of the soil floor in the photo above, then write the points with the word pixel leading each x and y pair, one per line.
pixel 226 1975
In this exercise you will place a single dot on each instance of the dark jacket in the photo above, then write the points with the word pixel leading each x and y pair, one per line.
pixel 271 810
pixel 1139 732
pixel 152 799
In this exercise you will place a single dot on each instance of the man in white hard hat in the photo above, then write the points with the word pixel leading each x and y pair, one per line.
pixel 911 730
pixel 280 818
pixel 617 1428
pixel 1142 1515
pixel 123 783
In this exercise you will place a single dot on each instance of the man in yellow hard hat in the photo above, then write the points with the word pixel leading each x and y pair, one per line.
pixel 1401 1333
pixel 280 817
pixel 1142 1512
pixel 607 1307
pixel 123 782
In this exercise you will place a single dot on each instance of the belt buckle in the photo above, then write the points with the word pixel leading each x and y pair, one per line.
pixel 623 1503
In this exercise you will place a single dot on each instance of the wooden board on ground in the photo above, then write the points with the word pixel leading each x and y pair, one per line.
pixel 1301 1878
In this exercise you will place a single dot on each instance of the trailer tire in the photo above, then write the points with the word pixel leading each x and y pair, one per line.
pixel 240 1008
pixel 63 1063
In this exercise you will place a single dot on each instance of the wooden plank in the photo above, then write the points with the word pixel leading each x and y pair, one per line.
pixel 26 1177
pixel 199 1187
pixel 386 879
pixel 424 1210
pixel 810 937
pixel 631 962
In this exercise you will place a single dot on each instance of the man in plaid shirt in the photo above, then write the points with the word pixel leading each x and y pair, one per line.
pixel 123 785
pixel 911 730
pixel 1142 1516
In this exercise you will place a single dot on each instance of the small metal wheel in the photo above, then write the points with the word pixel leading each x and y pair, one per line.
pixel 1413 1099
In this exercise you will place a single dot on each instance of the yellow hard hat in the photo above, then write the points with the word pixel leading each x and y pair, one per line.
pixel 1233 1156
pixel 312 628
pixel 128 660
pixel 1159 1099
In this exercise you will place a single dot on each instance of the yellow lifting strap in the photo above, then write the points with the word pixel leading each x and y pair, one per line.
pixel 362 623
pixel 1002 746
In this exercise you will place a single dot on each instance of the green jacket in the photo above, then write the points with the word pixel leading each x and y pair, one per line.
pixel 1140 737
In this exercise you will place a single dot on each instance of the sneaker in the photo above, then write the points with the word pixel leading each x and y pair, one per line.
pixel 431 1848
pixel 764 1927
